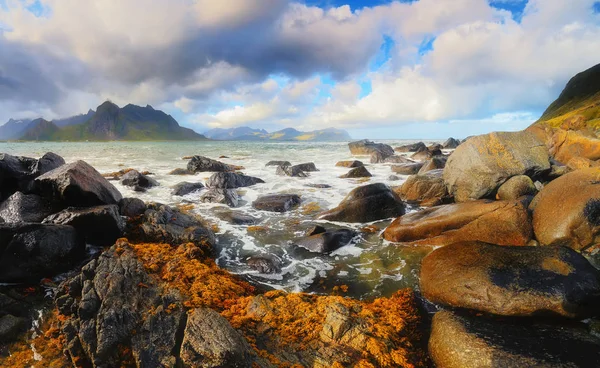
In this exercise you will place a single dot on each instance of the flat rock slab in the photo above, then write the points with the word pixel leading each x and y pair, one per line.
pixel 277 202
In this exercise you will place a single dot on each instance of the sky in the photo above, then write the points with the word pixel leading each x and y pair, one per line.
pixel 377 68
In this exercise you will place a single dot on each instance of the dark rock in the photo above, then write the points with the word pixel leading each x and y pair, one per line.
pixel 132 207
pixel 480 165
pixel 358 172
pixel 230 180
pixel 365 204
pixel 202 164
pixel 210 341
pixel 307 167
pixel 516 187
pixel 237 218
pixel 223 196
pixel 393 177
pixel 77 185
pixel 183 188
pixel 451 143
pixel 278 163
pixel 407 169
pixel 326 242
pixel 180 171
pixel 293 171
pixel 317 229
pixel 135 179
pixel 435 147
pixel 21 207
pixel 497 222
pixel 101 225
pixel 434 163
pixel 511 281
pixel 277 202
pixel 425 155
pixel 350 164
pixel 15 174
pixel 414 147
pixel 265 264
pixel 468 341
pixel 424 188
pixel 29 252
pixel 11 327
pixel 318 186
pixel 366 148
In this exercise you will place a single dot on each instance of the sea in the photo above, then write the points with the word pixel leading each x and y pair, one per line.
pixel 367 268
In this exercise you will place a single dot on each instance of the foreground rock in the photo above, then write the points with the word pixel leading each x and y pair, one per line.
pixel 277 202
pixel 229 180
pixel 29 252
pixel 77 185
pixel 511 281
pixel 132 207
pixel 223 196
pixel 101 225
pixel 349 164
pixel 21 207
pixel 367 148
pixel 496 222
pixel 567 211
pixel 358 172
pixel 365 204
pixel 184 188
pixel 17 173
pixel 468 341
pixel 326 241
pixel 203 164
pixel 426 189
pixel 480 165
pixel 138 181
pixel 516 187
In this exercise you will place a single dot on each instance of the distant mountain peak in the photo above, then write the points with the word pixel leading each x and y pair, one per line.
pixel 287 134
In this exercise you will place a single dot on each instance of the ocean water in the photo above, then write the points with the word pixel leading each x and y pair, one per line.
pixel 368 267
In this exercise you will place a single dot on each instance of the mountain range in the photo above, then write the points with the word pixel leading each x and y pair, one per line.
pixel 288 134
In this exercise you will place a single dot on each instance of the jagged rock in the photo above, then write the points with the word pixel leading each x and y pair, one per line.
pixel 132 207
pixel 414 147
pixel 223 196
pixel 358 172
pixel 230 180
pixel 516 187
pixel 101 225
pixel 511 281
pixel 21 207
pixel 426 189
pixel 307 167
pixel 349 164
pixel 497 222
pixel 326 242
pixel 293 171
pixel 365 204
pixel 434 163
pixel 468 341
pixel 277 202
pixel 77 185
pixel 29 252
pixel 180 171
pixel 278 163
pixel 480 165
pixel 183 188
pixel 202 164
pixel 11 327
pixel 407 169
pixel 366 148
pixel 135 179
pixel 451 143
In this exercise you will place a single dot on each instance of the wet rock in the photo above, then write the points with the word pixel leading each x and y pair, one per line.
pixel 278 163
pixel 277 202
pixel 365 204
pixel 101 225
pixel 435 163
pixel 327 241
pixel 21 207
pixel 393 177
pixel 293 171
pixel 350 164
pixel 77 185
pixel 428 188
pixel 414 147
pixel 135 179
pixel 164 224
pixel 567 210
pixel 497 222
pixel 366 148
pixel 183 188
pixel 203 164
pixel 237 217
pixel 307 167
pixel 265 264
pixel 516 187
pixel 317 229
pixel 407 169
pixel 230 180
pixel 318 186
pixel 511 281
pixel 451 143
pixel 132 207
pixel 29 252
pixel 15 174
pixel 210 341
pixel 480 165
pixel 11 327
pixel 468 341
pixel 358 172
pixel 223 196
pixel 398 160
pixel 180 171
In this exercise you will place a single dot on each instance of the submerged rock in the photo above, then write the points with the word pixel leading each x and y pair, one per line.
pixel 511 281
pixel 277 202
pixel 264 264
pixel 365 204
pixel 180 171
pixel 202 164
pixel 358 172
pixel 307 167
pixel 135 179
pixel 223 196
pixel 278 163
pixel 183 188
pixel 21 207
pixel 237 217
pixel 230 180
pixel 326 242
pixel 350 164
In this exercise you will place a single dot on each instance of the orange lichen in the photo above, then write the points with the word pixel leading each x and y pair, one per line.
pixel 252 229
pixel 311 208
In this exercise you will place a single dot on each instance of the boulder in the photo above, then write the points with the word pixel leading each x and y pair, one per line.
pixel 577 163
pixel 437 162
pixel 349 164
pixel 366 148
pixel 210 339
pixel 29 252
pixel 203 164
pixel 469 341
pixel 292 171
pixel 516 187
pixel 237 217
pixel 326 242
pixel 223 196
pixel 407 169
pixel 100 225
pixel 48 162
pixel 183 188
pixel 425 155
pixel 132 207
pixel 428 188
pixel 21 207
pixel 414 147
pixel 266 264
pixel 278 163
pixel 358 172
pixel 180 171
pixel 277 202
pixel 366 204
pixel 11 327
pixel 78 185
pixel 451 143
pixel 398 160
pixel 567 211
pixel 480 165
pixel 306 167
pixel 15 174
pixel 138 181
pixel 497 222
pixel 230 180
pixel 511 281
pixel 567 144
